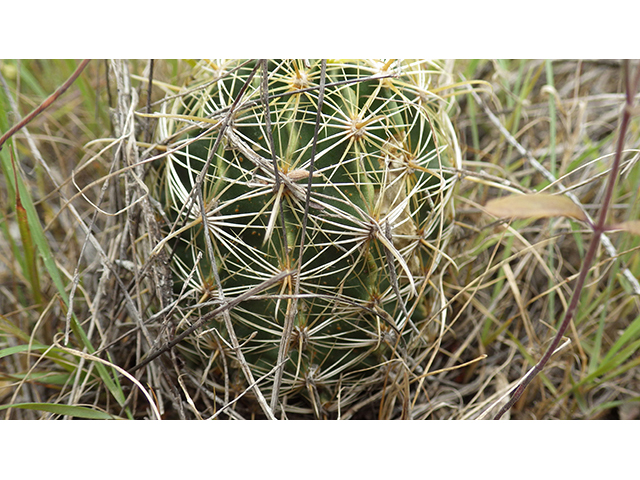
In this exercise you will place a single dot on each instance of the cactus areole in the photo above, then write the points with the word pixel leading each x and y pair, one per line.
pixel 365 240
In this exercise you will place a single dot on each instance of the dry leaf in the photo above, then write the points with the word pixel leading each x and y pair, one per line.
pixel 534 206
pixel 632 226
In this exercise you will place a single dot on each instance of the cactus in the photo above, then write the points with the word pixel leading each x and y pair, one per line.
pixel 362 244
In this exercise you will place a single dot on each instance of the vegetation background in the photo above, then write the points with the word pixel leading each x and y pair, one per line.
pixel 506 294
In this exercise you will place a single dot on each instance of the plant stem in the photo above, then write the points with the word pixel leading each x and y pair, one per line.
pixel 292 310
pixel 40 108
pixel 228 305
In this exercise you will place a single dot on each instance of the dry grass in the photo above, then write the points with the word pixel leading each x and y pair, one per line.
pixel 506 289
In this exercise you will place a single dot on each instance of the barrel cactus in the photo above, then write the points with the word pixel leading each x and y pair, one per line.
pixel 357 315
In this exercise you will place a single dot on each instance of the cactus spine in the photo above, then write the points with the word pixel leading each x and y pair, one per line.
pixel 363 242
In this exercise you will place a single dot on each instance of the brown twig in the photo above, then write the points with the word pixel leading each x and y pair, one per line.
pixel 292 310
pixel 40 108
pixel 229 304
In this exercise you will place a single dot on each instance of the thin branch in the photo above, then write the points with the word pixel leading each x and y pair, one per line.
pixel 292 310
pixel 40 108
pixel 229 304
pixel 148 130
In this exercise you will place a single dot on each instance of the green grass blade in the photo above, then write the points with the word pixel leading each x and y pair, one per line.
pixel 28 79
pixel 69 410
pixel 47 378
pixel 5 352
pixel 631 333
pixel 45 252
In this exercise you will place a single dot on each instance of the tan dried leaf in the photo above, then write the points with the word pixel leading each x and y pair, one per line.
pixel 632 226
pixel 538 205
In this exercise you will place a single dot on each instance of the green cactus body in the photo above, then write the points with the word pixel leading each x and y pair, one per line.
pixel 378 215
